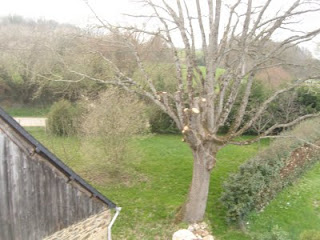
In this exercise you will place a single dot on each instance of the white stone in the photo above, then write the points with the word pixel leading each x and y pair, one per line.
pixel 183 234
pixel 203 225
pixel 209 237
pixel 191 228
pixel 195 226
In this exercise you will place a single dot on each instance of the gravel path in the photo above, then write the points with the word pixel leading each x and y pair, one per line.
pixel 31 121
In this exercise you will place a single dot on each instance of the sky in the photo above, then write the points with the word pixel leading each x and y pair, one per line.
pixel 77 12
pixel 66 11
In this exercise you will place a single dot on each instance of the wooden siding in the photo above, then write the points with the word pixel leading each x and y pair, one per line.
pixel 36 199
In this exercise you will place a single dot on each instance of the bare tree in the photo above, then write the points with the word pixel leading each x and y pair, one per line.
pixel 228 35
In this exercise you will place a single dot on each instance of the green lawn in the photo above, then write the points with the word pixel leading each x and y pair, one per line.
pixel 158 181
pixel 27 111
pixel 295 210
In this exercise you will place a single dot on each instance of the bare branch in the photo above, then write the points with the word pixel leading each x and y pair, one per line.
pixel 266 133
pixel 266 104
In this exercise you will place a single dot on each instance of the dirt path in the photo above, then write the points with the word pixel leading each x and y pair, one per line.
pixel 31 121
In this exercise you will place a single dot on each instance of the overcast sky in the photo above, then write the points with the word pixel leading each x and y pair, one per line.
pixel 76 12
pixel 66 11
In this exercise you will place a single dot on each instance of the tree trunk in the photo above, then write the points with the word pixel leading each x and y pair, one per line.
pixel 195 207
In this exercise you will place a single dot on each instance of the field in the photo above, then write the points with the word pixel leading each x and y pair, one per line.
pixel 154 183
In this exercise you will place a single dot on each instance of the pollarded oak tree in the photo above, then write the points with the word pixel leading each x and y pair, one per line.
pixel 203 100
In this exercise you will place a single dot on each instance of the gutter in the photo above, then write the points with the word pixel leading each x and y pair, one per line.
pixel 118 209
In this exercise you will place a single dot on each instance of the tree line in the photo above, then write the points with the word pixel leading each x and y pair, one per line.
pixel 40 61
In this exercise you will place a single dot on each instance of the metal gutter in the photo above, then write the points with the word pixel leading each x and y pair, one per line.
pixel 118 209
pixel 40 149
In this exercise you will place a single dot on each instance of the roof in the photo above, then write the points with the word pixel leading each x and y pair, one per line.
pixel 40 149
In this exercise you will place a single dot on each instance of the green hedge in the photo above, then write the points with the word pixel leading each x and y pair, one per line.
pixel 260 179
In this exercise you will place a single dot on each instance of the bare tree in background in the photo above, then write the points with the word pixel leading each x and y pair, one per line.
pixel 204 99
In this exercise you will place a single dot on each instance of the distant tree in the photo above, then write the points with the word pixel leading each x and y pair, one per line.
pixel 34 52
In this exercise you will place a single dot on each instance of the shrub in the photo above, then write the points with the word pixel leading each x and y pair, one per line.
pixel 61 119
pixel 260 179
pixel 309 97
pixel 108 125
pixel 160 122
pixel 310 235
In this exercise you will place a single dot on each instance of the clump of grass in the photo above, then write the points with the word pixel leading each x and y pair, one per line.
pixel 310 235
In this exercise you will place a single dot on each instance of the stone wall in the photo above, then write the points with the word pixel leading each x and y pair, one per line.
pixel 92 228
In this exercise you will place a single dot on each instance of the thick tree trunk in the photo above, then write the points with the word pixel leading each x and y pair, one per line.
pixel 195 207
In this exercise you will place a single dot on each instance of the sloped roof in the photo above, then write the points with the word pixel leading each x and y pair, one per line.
pixel 40 149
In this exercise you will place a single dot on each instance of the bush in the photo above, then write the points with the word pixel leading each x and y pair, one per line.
pixel 309 97
pixel 61 119
pixel 260 179
pixel 310 235
pixel 107 127
pixel 160 122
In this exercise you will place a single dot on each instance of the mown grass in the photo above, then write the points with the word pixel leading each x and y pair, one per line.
pixel 27 111
pixel 294 210
pixel 151 199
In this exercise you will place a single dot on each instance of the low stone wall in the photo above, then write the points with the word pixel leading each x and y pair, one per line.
pixel 92 228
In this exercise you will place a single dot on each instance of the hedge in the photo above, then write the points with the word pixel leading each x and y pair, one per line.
pixel 261 178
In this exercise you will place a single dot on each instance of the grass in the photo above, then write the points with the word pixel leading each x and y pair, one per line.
pixel 164 169
pixel 295 210
pixel 27 111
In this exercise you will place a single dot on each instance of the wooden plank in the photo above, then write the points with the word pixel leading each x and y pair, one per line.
pixel 28 175
pixel 5 227
pixel 25 213
pixel 47 199
pixel 17 204
pixel 54 202
pixel 10 189
pixel 37 215
pixel 42 202
pixel 60 204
